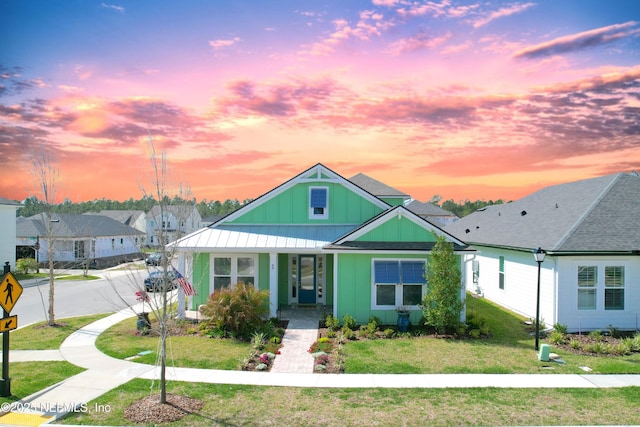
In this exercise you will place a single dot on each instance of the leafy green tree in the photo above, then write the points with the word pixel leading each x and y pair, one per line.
pixel 442 304
pixel 25 264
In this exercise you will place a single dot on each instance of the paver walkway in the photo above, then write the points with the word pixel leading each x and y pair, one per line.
pixel 301 332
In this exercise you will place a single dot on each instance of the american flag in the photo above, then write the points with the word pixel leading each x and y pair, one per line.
pixel 184 284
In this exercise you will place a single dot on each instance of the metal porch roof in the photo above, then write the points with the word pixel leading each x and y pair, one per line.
pixel 262 237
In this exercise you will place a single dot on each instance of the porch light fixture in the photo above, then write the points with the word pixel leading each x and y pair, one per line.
pixel 539 255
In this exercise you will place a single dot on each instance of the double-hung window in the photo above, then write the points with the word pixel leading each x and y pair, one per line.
pixel 614 288
pixel 501 273
pixel 229 270
pixel 587 286
pixel 318 202
pixel 594 286
pixel 398 283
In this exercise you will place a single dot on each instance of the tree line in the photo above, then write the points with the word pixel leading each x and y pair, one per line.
pixel 33 206
pixel 462 208
pixel 206 208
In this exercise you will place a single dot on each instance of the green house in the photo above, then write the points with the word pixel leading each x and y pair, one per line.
pixel 321 240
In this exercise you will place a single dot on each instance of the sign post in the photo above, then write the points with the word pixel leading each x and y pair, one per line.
pixel 10 291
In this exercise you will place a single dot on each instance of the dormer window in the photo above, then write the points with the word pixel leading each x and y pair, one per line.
pixel 318 203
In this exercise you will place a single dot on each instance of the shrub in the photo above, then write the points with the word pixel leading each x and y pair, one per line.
pixel 558 327
pixel 238 310
pixel 375 321
pixel 596 335
pixel 332 323
pixel 575 344
pixel 347 333
pixel 348 322
pixel 25 264
pixel 556 337
pixel 389 333
pixel 368 330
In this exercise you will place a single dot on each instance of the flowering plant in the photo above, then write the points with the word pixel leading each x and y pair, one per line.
pixel 142 296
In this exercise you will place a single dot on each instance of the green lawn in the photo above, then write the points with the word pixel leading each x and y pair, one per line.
pixel 237 405
pixel 30 377
pixel 120 341
pixel 39 336
pixel 509 350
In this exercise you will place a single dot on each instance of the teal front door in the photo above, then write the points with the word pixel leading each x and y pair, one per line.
pixel 306 279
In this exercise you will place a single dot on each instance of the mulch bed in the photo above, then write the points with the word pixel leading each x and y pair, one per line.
pixel 149 410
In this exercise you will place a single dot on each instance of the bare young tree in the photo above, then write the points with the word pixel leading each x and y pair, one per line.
pixel 169 216
pixel 46 178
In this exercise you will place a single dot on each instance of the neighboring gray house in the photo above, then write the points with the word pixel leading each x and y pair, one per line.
pixel 132 218
pixel 8 232
pixel 431 212
pixel 178 221
pixel 80 238
pixel 381 190
pixel 590 230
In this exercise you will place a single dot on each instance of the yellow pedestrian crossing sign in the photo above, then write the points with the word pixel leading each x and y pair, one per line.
pixel 8 323
pixel 10 291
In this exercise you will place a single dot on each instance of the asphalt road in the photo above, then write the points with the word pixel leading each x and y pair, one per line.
pixel 113 291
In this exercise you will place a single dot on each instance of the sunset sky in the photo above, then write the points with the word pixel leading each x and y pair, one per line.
pixel 465 99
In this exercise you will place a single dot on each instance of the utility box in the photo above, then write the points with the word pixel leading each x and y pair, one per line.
pixel 543 355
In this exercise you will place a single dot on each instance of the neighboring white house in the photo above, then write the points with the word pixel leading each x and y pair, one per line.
pixel 590 230
pixel 80 238
pixel 8 232
pixel 177 221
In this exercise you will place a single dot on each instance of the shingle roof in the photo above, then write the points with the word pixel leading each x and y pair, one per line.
pixel 126 217
pixel 375 187
pixel 593 215
pixel 427 209
pixel 4 201
pixel 75 225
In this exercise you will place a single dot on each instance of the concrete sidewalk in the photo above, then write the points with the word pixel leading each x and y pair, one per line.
pixel 296 366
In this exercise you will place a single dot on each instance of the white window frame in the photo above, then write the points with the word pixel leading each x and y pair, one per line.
pixel 590 288
pixel 613 286
pixel 399 286
pixel 601 284
pixel 234 269
pixel 325 214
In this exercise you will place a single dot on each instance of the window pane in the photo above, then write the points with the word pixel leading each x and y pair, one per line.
pixel 247 280
pixel 222 266
pixel 386 295
pixel 411 294
pixel 614 276
pixel 586 299
pixel 221 282
pixel 386 272
pixel 587 276
pixel 318 197
pixel 413 272
pixel 614 299
pixel 246 267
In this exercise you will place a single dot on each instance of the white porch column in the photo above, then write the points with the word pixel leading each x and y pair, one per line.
pixel 273 284
pixel 181 296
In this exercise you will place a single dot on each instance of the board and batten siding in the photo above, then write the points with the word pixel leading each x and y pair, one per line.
pixel 398 230
pixel 292 207
pixel 355 287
